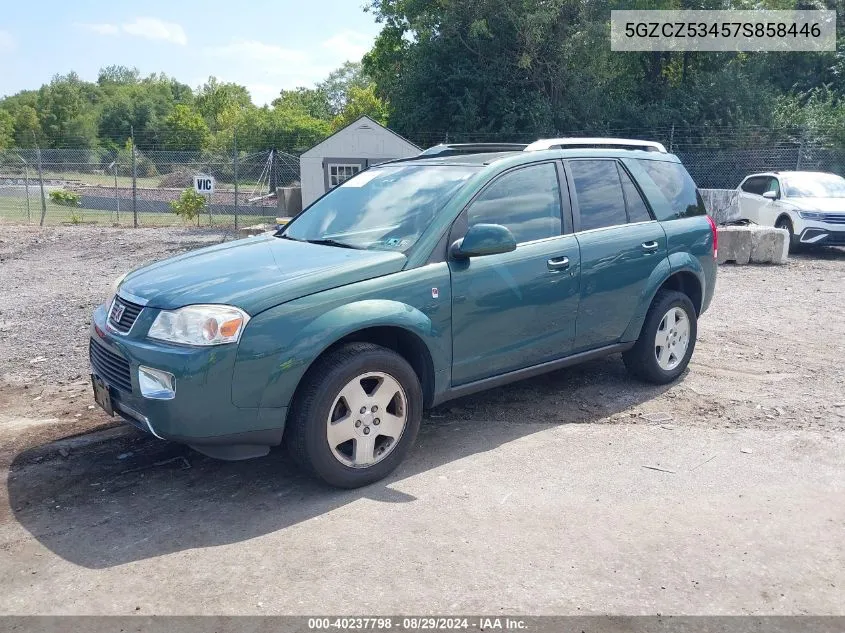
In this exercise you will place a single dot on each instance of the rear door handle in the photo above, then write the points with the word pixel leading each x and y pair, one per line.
pixel 650 247
pixel 558 263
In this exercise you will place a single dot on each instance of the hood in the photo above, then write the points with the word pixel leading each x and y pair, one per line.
pixel 255 273
pixel 825 205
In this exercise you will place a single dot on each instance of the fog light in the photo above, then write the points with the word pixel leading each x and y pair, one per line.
pixel 156 384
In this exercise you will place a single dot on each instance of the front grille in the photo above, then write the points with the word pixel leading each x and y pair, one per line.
pixel 127 312
pixel 110 367
pixel 834 218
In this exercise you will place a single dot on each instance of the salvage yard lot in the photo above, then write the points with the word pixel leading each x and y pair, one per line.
pixel 578 492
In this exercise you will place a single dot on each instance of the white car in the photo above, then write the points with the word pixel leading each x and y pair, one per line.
pixel 808 204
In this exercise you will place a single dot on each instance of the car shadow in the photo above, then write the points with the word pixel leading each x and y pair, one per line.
pixel 138 498
pixel 809 251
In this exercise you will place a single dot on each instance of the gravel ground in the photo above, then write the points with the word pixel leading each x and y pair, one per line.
pixel 719 494
pixel 52 279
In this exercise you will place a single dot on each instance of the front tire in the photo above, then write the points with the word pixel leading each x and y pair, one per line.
pixel 786 224
pixel 355 416
pixel 667 339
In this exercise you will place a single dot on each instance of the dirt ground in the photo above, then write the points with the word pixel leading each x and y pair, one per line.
pixel 578 492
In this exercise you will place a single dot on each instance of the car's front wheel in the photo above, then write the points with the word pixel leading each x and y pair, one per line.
pixel 356 415
pixel 786 224
pixel 667 339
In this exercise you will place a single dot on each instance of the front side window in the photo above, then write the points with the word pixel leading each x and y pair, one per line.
pixel 383 208
pixel 814 186
pixel 599 193
pixel 339 173
pixel 526 201
pixel 677 187
pixel 773 186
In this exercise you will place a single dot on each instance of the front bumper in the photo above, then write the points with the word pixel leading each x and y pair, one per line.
pixel 202 413
pixel 821 234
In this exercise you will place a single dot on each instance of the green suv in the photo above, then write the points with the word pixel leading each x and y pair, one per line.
pixel 412 283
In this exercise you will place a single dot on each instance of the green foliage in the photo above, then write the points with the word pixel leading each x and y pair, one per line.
pixel 541 67
pixel 361 101
pixel 336 88
pixel 189 205
pixel 7 130
pixel 185 129
pixel 66 198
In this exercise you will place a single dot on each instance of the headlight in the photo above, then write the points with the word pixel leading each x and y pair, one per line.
pixel 811 215
pixel 200 325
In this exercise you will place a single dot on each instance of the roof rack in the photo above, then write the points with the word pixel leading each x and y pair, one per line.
pixel 452 149
pixel 621 143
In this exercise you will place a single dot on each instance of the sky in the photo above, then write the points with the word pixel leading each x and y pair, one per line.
pixel 265 45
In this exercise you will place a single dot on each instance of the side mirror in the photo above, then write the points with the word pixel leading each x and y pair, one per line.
pixel 483 239
pixel 770 195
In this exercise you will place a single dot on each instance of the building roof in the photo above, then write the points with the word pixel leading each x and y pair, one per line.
pixel 355 122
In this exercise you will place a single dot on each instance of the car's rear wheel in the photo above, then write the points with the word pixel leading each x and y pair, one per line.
pixel 786 224
pixel 356 415
pixel 666 341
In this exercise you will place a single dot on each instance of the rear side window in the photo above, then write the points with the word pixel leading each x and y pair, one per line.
pixel 599 193
pixel 526 200
pixel 676 185
pixel 637 209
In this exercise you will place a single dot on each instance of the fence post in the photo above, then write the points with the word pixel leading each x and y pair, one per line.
pixel 134 182
pixel 672 138
pixel 235 172
pixel 26 187
pixel 801 149
pixel 116 193
pixel 41 181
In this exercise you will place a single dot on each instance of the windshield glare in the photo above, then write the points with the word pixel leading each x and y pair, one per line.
pixel 815 186
pixel 385 208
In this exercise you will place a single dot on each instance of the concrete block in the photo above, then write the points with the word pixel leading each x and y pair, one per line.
pixel 755 244
pixel 722 204
pixel 734 244
pixel 769 245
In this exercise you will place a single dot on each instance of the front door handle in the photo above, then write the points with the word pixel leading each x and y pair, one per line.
pixel 558 263
pixel 650 247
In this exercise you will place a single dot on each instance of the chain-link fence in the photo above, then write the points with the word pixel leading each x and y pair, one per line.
pixel 717 158
pixel 134 188
pixel 137 188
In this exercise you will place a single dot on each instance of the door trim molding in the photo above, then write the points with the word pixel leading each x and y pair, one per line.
pixel 529 372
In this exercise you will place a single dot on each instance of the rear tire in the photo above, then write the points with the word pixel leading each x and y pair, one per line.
pixel 355 416
pixel 667 339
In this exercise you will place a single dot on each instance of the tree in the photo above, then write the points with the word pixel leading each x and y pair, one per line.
pixel 184 129
pixel 219 103
pixel 27 127
pixel 337 86
pixel 7 130
pixel 120 75
pixel 361 101
pixel 312 101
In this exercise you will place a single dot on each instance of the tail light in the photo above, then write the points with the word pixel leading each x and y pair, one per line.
pixel 715 232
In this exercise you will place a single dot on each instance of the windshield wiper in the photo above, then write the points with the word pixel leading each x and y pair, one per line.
pixel 330 242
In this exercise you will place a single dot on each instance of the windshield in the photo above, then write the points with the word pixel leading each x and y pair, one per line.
pixel 815 186
pixel 385 208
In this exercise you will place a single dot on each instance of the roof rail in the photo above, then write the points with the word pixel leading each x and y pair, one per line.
pixel 452 149
pixel 621 143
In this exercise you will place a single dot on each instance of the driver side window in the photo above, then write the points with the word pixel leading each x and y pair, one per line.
pixel 526 201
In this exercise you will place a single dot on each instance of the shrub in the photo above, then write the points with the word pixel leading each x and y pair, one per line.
pixel 189 204
pixel 66 198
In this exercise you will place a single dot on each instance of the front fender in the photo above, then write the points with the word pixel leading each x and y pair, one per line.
pixel 271 362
